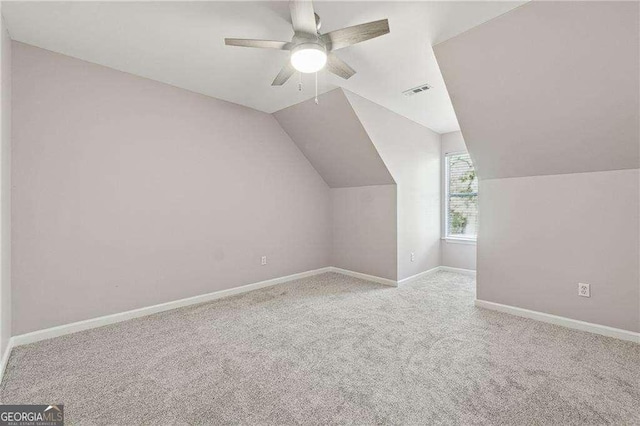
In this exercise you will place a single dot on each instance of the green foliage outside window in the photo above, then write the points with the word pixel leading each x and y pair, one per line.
pixel 457 222
pixel 463 196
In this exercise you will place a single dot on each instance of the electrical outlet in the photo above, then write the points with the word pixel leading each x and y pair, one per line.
pixel 264 260
pixel 584 290
pixel 413 257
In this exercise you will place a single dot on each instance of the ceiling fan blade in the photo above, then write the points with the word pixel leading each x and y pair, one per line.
pixel 303 17
pixel 358 33
pixel 338 67
pixel 285 73
pixel 262 44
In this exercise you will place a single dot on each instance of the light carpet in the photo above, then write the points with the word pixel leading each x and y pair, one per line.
pixel 331 349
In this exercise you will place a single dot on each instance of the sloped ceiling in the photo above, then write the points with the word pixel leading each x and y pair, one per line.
pixel 397 140
pixel 181 43
pixel 331 136
pixel 548 88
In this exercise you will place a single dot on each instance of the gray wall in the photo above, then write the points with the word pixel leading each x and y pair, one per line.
pixel 364 223
pixel 5 189
pixel 550 87
pixel 541 236
pixel 129 193
pixel 333 139
pixel 459 254
pixel 411 152
pixel 364 230
pixel 455 254
pixel 548 100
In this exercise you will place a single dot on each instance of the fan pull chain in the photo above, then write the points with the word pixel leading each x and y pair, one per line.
pixel 316 88
pixel 299 82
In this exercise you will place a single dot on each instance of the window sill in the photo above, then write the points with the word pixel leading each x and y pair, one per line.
pixel 460 240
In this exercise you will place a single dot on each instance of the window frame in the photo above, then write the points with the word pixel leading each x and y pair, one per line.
pixel 445 203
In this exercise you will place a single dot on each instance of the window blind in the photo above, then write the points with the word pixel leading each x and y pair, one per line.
pixel 462 197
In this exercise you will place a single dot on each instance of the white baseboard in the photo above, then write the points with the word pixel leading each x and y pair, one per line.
pixel 379 280
pixel 61 330
pixel 393 283
pixel 562 321
pixel 5 357
pixel 421 274
pixel 48 333
pixel 470 272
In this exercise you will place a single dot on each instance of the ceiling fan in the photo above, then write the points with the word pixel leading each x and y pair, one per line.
pixel 310 50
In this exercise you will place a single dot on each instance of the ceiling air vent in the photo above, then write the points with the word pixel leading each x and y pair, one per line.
pixel 415 90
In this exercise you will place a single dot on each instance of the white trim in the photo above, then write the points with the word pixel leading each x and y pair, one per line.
pixel 470 272
pixel 5 358
pixel 444 231
pixel 562 321
pixel 421 274
pixel 454 240
pixel 379 280
pixel 61 330
pixel 48 333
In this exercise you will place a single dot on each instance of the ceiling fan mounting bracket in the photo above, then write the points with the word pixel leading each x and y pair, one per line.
pixel 305 38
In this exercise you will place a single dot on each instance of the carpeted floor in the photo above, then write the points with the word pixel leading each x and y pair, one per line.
pixel 333 350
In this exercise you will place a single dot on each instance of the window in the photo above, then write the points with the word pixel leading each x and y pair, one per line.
pixel 461 197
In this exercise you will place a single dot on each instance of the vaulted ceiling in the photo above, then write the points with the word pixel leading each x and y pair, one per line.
pixel 334 141
pixel 549 88
pixel 181 43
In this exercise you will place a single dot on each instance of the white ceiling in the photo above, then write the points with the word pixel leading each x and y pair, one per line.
pixel 181 43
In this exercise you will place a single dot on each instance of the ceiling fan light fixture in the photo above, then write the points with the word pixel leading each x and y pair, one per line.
pixel 309 57
pixel 310 50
